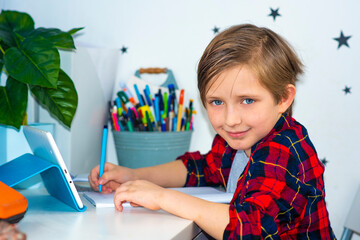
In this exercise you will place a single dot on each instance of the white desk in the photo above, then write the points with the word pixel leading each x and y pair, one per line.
pixel 48 218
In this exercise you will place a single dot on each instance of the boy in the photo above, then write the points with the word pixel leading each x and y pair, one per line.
pixel 246 79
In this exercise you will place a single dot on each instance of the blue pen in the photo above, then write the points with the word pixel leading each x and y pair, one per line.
pixel 174 124
pixel 147 89
pixel 157 110
pixel 147 98
pixel 103 153
pixel 138 95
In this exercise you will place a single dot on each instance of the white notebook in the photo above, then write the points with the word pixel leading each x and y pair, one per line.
pixel 207 193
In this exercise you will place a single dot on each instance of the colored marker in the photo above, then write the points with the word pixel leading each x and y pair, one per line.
pixel 162 122
pixel 171 117
pixel 121 126
pixel 138 95
pixel 144 109
pixel 174 124
pixel 129 122
pixel 157 110
pixel 149 101
pixel 148 92
pixel 166 112
pixel 103 153
pixel 147 98
pixel 173 97
pixel 109 115
pixel 190 115
pixel 149 123
pixel 191 120
pixel 125 100
pixel 179 115
pixel 169 103
pixel 135 112
pixel 161 101
pixel 118 105
pixel 130 97
pixel 182 128
pixel 115 121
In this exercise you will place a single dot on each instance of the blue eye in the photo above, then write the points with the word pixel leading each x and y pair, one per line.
pixel 217 102
pixel 248 101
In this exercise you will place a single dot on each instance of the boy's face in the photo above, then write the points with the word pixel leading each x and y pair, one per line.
pixel 240 109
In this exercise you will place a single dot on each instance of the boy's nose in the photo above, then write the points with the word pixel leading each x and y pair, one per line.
pixel 233 117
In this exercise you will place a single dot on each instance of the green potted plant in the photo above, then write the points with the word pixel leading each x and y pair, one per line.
pixel 30 60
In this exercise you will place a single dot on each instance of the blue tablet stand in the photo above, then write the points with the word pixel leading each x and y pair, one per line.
pixel 28 165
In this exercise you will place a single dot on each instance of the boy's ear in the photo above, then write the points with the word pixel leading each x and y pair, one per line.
pixel 288 100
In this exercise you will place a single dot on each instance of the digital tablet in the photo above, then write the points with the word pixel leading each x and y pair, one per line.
pixel 43 145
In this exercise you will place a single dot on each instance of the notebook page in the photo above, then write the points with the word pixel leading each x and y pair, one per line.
pixel 207 193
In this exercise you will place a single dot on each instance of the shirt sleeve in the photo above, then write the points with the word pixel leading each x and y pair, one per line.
pixel 211 169
pixel 274 196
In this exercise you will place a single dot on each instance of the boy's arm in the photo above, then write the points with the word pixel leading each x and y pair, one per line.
pixel 189 169
pixel 209 216
pixel 172 174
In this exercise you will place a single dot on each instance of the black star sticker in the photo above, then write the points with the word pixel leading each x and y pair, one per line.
pixel 274 13
pixel 342 40
pixel 123 50
pixel 347 90
pixel 215 30
pixel 324 161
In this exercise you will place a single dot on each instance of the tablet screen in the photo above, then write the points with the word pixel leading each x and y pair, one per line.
pixel 43 145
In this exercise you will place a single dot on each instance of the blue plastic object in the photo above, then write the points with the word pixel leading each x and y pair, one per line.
pixel 28 165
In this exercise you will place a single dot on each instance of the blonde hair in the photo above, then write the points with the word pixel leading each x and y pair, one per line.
pixel 267 54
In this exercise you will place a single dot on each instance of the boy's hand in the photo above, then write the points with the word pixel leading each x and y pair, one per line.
pixel 139 193
pixel 112 177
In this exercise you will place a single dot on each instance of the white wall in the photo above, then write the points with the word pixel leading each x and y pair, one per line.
pixel 173 34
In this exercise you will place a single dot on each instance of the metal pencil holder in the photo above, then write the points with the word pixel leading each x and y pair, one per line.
pixel 144 149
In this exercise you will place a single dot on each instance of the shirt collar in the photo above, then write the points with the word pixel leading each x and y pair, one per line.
pixel 280 124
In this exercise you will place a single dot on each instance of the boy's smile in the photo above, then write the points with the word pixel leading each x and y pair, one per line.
pixel 240 109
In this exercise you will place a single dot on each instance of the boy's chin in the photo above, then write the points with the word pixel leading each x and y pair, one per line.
pixel 237 144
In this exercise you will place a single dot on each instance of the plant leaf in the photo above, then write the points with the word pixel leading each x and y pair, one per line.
pixel 13 102
pixel 59 38
pixel 36 62
pixel 13 21
pixel 61 102
pixel 1 61
pixel 75 30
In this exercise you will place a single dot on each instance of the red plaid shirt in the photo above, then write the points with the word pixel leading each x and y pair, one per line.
pixel 280 194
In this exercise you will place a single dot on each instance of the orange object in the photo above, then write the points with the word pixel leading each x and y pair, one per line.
pixel 13 205
pixel 179 116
